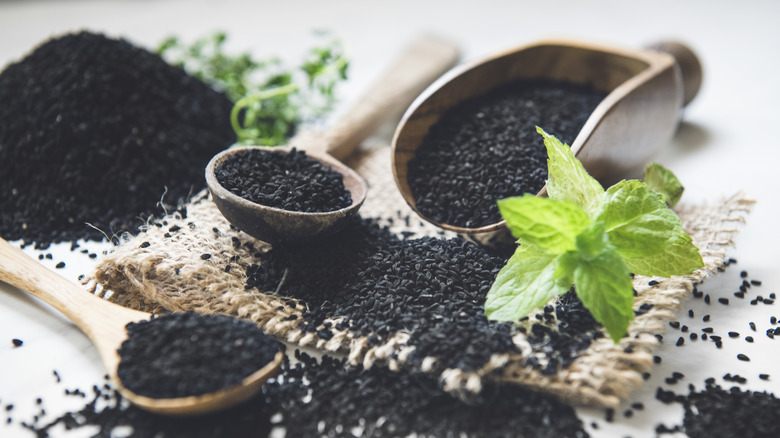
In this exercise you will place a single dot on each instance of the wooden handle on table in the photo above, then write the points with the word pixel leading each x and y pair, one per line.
pixel 100 320
pixel 426 59
pixel 689 63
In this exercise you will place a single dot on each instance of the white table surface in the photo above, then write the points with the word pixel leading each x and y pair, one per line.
pixel 727 144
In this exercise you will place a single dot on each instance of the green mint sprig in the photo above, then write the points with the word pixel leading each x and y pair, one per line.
pixel 271 100
pixel 593 239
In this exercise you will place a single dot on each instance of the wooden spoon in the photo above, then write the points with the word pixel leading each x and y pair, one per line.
pixel 104 323
pixel 647 89
pixel 423 61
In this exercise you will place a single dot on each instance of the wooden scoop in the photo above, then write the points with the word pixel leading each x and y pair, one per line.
pixel 423 61
pixel 104 323
pixel 647 89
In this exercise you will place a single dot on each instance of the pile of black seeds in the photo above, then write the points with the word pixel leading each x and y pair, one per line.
pixel 716 412
pixel 382 403
pixel 286 180
pixel 95 130
pixel 433 289
pixel 108 415
pixel 487 148
pixel 183 354
pixel 328 398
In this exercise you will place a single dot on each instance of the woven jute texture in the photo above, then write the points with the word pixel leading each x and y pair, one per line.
pixel 197 262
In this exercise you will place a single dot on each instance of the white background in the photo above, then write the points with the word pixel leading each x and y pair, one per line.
pixel 727 144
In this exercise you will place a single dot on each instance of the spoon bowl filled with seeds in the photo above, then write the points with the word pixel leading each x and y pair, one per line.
pixel 177 364
pixel 470 139
pixel 302 192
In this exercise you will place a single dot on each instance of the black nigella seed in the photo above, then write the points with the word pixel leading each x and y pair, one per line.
pixel 715 338
pixel 694 336
pixel 723 301
pixel 185 354
pixel 145 245
pixel 652 283
pixel 743 274
pixel 680 341
pixel 707 298
pixel 60 265
pixel 628 413
pixel 706 318
pixel 117 148
pixel 733 334
pixel 205 256
pixel 755 282
pixel 763 376
pixel 707 329
pixel 674 324
pixel 752 325
pixel 684 329
pixel 290 181
pixel 487 148
pixel 739 294
pixel 657 359
pixel 17 342
pixel 690 313
pixel 743 357
pixel 768 301
pixel 638 406
pixel 773 320
pixel 704 336
pixel 609 415
pixel 749 338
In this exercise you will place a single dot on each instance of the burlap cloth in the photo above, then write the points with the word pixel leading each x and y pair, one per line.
pixel 186 271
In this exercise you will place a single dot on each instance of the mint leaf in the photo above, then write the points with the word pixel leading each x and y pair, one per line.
pixel 646 232
pixel 665 182
pixel 603 281
pixel 679 257
pixel 567 179
pixel 551 225
pixel 524 284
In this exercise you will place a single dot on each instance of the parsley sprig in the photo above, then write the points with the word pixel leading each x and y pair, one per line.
pixel 584 236
pixel 271 100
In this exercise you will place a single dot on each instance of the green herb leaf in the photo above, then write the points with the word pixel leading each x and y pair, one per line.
pixel 593 239
pixel 526 282
pixel 567 178
pixel 645 232
pixel 271 100
pixel 603 282
pixel 551 225
pixel 665 182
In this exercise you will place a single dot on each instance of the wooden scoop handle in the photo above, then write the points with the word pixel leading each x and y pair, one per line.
pixel 426 59
pixel 102 321
pixel 689 63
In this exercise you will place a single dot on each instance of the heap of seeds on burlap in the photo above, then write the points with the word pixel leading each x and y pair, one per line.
pixel 377 284
pixel 486 148
pixel 97 131
pixel 287 180
pixel 183 354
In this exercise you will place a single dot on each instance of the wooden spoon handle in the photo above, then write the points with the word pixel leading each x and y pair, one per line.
pixel 424 60
pixel 689 63
pixel 100 320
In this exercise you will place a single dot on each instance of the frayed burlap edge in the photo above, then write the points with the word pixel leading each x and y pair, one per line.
pixel 193 260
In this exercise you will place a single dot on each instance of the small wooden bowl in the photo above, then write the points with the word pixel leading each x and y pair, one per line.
pixel 647 89
pixel 278 226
